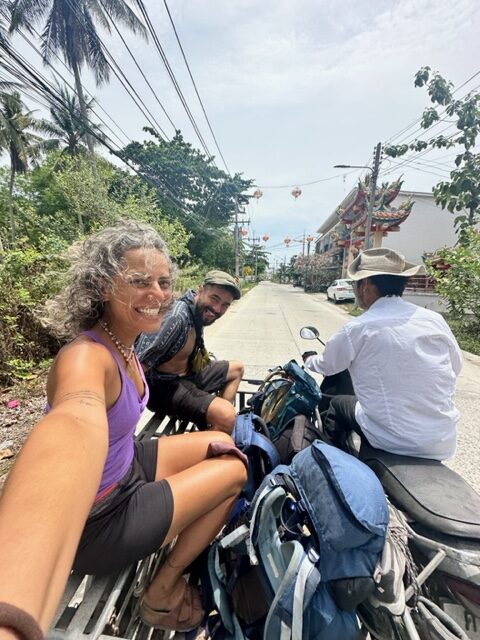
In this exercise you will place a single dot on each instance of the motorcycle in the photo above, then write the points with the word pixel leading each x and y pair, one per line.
pixel 439 513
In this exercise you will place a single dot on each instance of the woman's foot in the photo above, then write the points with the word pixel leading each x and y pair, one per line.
pixel 183 614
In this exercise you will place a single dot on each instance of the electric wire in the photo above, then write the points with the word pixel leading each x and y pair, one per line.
pixel 42 88
pixel 69 85
pixel 122 78
pixel 195 86
pixel 119 33
pixel 200 221
pixel 405 129
pixel 164 59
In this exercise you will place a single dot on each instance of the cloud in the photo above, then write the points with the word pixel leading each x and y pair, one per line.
pixel 263 52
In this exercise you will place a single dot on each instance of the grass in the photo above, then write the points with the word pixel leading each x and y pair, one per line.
pixel 246 286
pixel 467 334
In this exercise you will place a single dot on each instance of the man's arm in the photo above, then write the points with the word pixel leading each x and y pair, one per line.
pixel 152 347
pixel 337 355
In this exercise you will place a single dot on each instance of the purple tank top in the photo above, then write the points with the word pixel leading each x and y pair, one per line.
pixel 122 420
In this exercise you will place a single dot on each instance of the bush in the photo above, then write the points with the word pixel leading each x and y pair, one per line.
pixel 458 281
pixel 28 276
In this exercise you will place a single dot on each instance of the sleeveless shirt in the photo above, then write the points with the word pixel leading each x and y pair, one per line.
pixel 122 419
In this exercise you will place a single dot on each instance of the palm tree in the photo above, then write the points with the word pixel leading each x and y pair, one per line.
pixel 67 124
pixel 70 30
pixel 17 139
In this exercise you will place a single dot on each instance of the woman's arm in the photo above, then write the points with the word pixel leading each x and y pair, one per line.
pixel 52 486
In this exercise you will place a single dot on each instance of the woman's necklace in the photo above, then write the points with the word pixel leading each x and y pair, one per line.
pixel 127 352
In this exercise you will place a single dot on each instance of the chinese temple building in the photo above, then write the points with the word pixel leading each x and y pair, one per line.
pixel 353 214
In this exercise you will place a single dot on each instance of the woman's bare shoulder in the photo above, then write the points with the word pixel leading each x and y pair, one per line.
pixel 81 363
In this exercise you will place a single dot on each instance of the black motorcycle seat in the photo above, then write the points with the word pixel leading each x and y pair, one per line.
pixel 434 495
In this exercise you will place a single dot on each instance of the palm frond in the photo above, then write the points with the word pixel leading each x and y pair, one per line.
pixel 25 12
pixel 120 11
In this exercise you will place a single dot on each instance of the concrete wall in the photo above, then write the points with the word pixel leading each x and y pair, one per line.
pixel 427 300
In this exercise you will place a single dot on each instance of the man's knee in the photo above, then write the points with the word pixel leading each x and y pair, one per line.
pixel 235 370
pixel 221 415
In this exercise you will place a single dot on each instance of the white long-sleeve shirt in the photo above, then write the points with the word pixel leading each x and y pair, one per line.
pixel 404 361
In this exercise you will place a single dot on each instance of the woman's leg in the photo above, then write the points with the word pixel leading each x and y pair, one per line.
pixel 204 491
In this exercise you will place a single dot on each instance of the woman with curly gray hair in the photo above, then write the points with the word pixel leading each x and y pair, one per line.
pixel 83 493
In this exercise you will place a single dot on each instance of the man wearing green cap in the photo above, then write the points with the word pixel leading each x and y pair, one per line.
pixel 182 380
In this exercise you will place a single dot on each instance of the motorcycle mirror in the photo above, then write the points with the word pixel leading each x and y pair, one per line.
pixel 309 333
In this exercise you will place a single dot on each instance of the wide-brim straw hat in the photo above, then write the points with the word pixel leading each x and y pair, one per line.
pixel 382 262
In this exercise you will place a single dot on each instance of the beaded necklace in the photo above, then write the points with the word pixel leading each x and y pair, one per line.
pixel 127 352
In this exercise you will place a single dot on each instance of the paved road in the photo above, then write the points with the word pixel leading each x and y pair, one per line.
pixel 262 330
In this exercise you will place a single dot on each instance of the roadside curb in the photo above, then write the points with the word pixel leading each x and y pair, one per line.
pixel 471 357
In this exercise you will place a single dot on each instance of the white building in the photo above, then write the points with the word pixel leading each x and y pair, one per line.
pixel 427 228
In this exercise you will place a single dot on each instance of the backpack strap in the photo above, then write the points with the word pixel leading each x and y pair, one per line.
pixel 291 570
pixel 293 596
pixel 245 436
pixel 231 625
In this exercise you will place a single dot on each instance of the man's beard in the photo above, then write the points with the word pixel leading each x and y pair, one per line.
pixel 199 311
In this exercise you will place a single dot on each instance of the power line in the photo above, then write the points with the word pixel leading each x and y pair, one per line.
pixel 195 86
pixel 412 124
pixel 172 76
pixel 115 67
pixel 138 66
pixel 41 85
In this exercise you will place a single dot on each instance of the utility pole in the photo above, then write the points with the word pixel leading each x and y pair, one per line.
pixel 255 246
pixel 373 190
pixel 236 242
pixel 236 237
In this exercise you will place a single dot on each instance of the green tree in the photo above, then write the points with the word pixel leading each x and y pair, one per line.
pixel 18 140
pixel 190 188
pixel 460 194
pixel 459 279
pixel 256 257
pixel 70 29
pixel 219 253
pixel 68 126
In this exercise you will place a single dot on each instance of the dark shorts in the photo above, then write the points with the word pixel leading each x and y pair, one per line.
pixel 188 397
pixel 133 523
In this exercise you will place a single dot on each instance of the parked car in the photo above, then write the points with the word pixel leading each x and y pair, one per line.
pixel 340 290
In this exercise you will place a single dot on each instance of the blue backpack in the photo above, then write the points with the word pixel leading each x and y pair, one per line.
pixel 307 555
pixel 251 436
pixel 287 392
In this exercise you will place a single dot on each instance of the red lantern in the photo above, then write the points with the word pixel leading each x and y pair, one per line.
pixel 265 238
pixel 296 192
pixel 257 194
pixel 287 241
pixel 309 238
pixel 244 232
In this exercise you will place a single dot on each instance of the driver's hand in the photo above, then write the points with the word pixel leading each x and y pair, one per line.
pixel 307 354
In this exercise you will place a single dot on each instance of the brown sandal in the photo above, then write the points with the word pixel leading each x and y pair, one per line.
pixel 186 615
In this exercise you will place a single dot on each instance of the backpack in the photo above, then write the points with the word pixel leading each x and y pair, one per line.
pixel 287 391
pixel 298 434
pixel 307 556
pixel 251 436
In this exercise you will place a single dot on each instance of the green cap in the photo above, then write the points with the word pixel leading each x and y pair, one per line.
pixel 223 279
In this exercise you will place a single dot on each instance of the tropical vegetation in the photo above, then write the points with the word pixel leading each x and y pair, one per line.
pixel 57 185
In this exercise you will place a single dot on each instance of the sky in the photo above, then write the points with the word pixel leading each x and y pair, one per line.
pixel 293 87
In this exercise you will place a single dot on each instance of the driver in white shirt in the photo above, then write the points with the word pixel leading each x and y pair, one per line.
pixel 403 361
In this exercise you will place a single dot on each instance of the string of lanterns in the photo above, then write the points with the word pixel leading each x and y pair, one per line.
pixel 258 193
